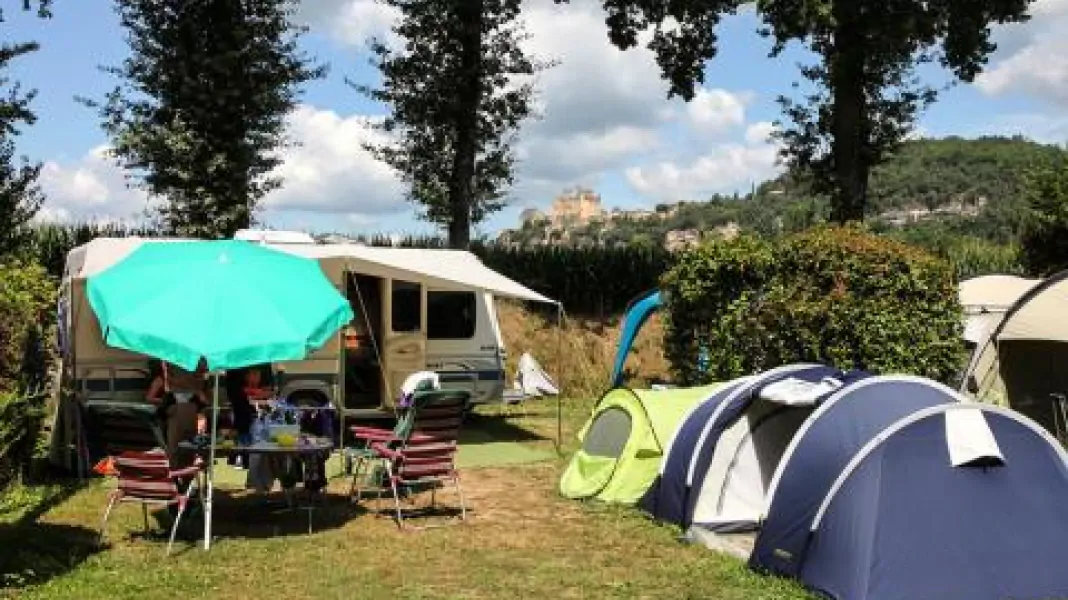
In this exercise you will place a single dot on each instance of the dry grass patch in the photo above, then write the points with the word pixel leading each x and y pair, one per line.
pixel 581 355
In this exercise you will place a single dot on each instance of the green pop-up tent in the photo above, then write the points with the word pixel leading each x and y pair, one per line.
pixel 624 442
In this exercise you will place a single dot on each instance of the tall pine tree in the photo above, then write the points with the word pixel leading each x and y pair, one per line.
pixel 198 117
pixel 20 194
pixel 458 92
pixel 868 93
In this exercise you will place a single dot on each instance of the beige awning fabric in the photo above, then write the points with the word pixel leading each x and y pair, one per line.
pixel 99 254
pixel 1043 317
pixel 444 269
pixel 993 293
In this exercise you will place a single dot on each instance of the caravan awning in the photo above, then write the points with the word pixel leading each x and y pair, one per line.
pixel 446 269
pixel 442 268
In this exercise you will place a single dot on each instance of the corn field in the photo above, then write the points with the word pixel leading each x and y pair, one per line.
pixel 594 282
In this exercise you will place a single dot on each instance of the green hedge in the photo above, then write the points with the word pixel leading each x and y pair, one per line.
pixel 839 296
pixel 588 281
pixel 27 308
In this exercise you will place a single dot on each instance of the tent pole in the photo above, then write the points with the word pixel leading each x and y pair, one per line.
pixel 211 464
pixel 560 376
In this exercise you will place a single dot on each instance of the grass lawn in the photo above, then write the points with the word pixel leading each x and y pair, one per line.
pixel 522 541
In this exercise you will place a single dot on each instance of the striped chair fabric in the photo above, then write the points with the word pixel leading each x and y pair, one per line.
pixel 148 478
pixel 429 452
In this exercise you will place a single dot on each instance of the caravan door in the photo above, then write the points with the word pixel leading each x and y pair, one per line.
pixel 404 346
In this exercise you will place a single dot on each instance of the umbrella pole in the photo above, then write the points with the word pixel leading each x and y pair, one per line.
pixel 211 464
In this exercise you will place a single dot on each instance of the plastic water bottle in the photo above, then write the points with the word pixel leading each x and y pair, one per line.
pixel 259 430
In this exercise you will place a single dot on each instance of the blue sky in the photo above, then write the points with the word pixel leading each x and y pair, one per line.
pixel 606 122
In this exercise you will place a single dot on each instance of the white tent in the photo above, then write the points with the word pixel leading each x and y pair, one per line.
pixel 985 300
pixel 1020 363
pixel 532 380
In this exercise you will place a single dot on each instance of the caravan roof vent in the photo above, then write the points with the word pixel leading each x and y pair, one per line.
pixel 269 236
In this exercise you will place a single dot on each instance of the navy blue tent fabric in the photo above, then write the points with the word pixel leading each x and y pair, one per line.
pixel 731 412
pixel 830 442
pixel 907 524
pixel 666 497
pixel 637 315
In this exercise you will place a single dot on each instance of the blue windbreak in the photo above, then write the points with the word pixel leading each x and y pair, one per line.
pixel 632 323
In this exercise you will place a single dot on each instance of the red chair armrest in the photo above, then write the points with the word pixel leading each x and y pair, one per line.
pixel 185 471
pixel 372 433
pixel 385 451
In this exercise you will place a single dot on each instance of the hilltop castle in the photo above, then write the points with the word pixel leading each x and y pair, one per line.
pixel 573 208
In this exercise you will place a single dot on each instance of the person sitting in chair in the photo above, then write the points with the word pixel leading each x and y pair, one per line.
pixel 181 400
pixel 244 387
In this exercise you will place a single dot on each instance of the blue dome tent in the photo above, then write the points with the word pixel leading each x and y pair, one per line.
pixel 824 445
pixel 677 493
pixel 871 487
pixel 908 519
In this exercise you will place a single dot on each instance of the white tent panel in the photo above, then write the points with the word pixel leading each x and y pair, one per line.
pixel 707 506
pixel 978 327
pixel 746 457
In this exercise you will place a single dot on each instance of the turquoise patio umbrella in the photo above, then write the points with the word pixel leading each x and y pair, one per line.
pixel 229 302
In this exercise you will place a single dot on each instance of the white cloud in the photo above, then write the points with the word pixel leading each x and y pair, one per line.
pixel 1031 56
pixel 352 22
pixel 759 133
pixel 725 169
pixel 716 111
pixel 91 188
pixel 569 157
pixel 328 171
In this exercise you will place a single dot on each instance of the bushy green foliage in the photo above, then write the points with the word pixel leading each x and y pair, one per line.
pixel 972 257
pixel 1045 235
pixel 840 296
pixel 27 299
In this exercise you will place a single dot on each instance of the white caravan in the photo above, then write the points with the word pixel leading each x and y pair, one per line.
pixel 415 310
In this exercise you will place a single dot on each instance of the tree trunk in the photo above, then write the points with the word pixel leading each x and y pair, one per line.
pixel 469 96
pixel 847 90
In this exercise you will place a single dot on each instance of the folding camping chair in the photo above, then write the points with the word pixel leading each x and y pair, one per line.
pixel 426 455
pixel 147 478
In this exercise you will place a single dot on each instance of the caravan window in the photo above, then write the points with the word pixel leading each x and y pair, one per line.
pixel 405 315
pixel 450 315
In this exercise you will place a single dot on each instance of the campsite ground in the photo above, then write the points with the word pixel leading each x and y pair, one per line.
pixel 522 540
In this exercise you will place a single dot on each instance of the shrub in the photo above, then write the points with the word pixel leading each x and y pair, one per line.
pixel 839 296
pixel 27 301
pixel 972 257
pixel 1044 240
